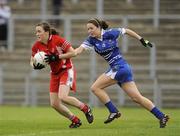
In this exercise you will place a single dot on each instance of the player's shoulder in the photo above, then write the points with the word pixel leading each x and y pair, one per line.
pixel 110 30
pixel 55 36
pixel 88 38
pixel 91 39
pixel 113 32
pixel 58 38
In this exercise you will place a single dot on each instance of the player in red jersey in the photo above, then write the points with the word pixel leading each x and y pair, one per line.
pixel 58 54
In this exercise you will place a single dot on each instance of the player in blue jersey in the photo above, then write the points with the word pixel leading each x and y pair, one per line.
pixel 104 42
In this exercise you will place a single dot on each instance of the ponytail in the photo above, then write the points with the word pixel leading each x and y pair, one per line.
pixel 53 31
pixel 104 25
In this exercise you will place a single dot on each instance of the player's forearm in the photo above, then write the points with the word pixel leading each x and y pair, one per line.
pixel 133 34
pixel 79 50
pixel 31 61
pixel 145 43
pixel 67 55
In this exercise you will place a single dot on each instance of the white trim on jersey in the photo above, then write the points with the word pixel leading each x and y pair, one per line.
pixel 50 37
pixel 102 32
pixel 86 47
pixel 122 30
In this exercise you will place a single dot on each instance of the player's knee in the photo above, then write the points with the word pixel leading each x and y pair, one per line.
pixel 136 99
pixel 54 103
pixel 94 89
pixel 63 98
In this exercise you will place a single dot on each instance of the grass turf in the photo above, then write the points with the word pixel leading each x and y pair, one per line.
pixel 44 121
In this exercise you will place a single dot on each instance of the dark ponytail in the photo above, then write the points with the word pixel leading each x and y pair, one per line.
pixel 48 28
pixel 53 31
pixel 99 23
pixel 104 25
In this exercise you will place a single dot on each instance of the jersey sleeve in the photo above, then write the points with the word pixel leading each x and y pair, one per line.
pixel 122 31
pixel 64 44
pixel 116 32
pixel 87 45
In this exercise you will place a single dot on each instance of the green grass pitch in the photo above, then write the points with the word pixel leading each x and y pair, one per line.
pixel 44 121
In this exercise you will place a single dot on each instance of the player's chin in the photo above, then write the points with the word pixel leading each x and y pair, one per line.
pixel 92 35
pixel 38 39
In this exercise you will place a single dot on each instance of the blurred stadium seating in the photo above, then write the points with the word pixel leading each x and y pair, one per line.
pixel 16 68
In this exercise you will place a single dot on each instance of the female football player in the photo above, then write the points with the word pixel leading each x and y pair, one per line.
pixel 58 52
pixel 104 42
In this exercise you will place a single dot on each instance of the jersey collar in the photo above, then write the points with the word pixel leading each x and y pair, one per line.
pixel 50 38
pixel 102 32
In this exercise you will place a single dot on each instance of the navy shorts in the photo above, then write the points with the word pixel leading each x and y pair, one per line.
pixel 121 73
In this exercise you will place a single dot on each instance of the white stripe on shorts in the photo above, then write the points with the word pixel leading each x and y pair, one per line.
pixel 70 77
pixel 111 74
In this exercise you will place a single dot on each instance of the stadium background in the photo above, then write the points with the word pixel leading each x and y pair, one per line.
pixel 156 71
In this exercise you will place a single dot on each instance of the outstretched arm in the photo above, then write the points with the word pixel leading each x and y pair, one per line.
pixel 145 43
pixel 133 34
pixel 70 53
pixel 79 50
pixel 54 57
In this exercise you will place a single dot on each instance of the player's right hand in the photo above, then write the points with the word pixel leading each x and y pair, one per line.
pixel 38 66
pixel 146 43
pixel 51 58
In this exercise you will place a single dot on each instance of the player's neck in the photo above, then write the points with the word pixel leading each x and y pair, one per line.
pixel 45 41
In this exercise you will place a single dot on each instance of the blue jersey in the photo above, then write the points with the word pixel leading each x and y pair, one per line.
pixel 107 46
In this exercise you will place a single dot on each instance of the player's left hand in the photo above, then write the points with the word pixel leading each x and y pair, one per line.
pixel 51 58
pixel 146 43
pixel 38 66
